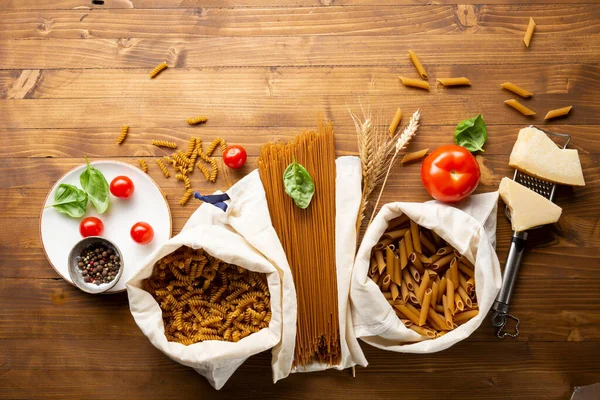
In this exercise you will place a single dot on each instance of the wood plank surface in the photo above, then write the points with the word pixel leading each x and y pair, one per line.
pixel 72 72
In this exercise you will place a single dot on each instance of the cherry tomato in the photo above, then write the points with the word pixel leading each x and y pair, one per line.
pixel 142 233
pixel 450 173
pixel 121 187
pixel 91 226
pixel 234 156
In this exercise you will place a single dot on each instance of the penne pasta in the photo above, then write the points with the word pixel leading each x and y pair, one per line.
pixel 395 122
pixel 425 242
pixel 404 291
pixel 387 295
pixel 442 289
pixel 441 322
pixel 470 286
pixel 423 331
pixel 413 298
pixel 465 270
pixel 439 308
pixel 397 222
pixel 395 302
pixel 414 234
pixel 416 262
pixel 385 284
pixel 408 243
pixel 454 271
pixel 416 83
pixel 529 32
pixel 397 234
pixel 423 259
pixel 443 263
pixel 445 250
pixel 407 322
pixel 425 307
pixel 417 63
pixel 408 313
pixel 450 295
pixel 466 261
pixel 389 260
pixel 516 90
pixel 397 276
pixel 559 112
pixel 383 243
pixel 460 305
pixel 434 293
pixel 403 256
pixel 415 274
pixel 394 290
pixel 439 242
pixel 462 281
pixel 465 297
pixel 380 261
pixel 462 81
pixel 410 282
pixel 447 313
pixel 423 287
pixel 519 107
pixel 465 316
pixel 414 156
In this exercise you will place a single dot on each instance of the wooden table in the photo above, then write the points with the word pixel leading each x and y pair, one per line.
pixel 71 73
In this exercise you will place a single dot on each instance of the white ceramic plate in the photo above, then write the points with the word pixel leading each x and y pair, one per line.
pixel 60 233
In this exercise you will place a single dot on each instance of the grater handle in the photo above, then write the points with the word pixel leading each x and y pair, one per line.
pixel 511 269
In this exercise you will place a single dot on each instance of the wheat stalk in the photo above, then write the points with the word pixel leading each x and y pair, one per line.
pixel 403 140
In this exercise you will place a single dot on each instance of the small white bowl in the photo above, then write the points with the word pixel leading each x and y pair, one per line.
pixel 75 273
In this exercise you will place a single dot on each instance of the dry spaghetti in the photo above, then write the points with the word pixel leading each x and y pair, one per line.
pixel 313 263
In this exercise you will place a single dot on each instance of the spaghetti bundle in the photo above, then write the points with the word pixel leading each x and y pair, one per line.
pixel 308 238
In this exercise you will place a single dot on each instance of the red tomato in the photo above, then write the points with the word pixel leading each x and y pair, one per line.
pixel 234 156
pixel 91 226
pixel 450 173
pixel 142 233
pixel 121 187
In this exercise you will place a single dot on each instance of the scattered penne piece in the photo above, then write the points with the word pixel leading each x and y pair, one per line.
pixel 559 112
pixel 417 63
pixel 516 90
pixel 414 83
pixel 462 81
pixel 395 122
pixel 414 156
pixel 529 32
pixel 519 107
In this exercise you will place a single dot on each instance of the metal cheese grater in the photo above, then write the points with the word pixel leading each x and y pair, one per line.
pixel 517 248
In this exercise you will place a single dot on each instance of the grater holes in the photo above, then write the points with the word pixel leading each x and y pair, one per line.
pixel 539 186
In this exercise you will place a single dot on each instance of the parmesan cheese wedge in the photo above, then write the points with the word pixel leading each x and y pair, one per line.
pixel 527 208
pixel 536 154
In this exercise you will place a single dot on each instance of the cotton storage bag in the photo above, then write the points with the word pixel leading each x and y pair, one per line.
pixel 471 232
pixel 242 235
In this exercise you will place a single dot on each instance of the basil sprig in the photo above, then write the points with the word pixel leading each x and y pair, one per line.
pixel 96 186
pixel 70 200
pixel 298 184
pixel 471 134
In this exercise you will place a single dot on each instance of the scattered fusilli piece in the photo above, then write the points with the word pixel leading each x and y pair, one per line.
pixel 214 170
pixel 164 143
pixel 157 70
pixel 217 142
pixel 204 170
pixel 196 120
pixel 143 165
pixel 186 196
pixel 163 168
pixel 123 135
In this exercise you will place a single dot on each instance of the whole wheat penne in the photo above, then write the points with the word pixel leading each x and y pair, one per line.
pixel 380 281
pixel 397 234
pixel 410 282
pixel 519 107
pixel 434 293
pixel 397 277
pixel 442 289
pixel 439 242
pixel 373 267
pixel 408 313
pixel 404 291
pixel 465 270
pixel 417 63
pixel 416 262
pixel 425 242
pixel 408 243
pixel 385 284
pixel 423 331
pixel 447 313
pixel 395 291
pixel 395 122
pixel 398 221
pixel 414 156
pixel 387 295
pixel 461 81
pixel 435 258
pixel 415 274
pixel 529 32
pixel 380 261
pixel 403 255
pixel 516 90
pixel 454 271
pixel 465 316
pixel 425 307
pixel 450 294
pixel 445 250
pixel 414 234
pixel 465 297
pixel 416 83
pixel 383 243
pixel 423 259
pixel 559 112
pixel 460 305
pixel 423 287
pixel 441 322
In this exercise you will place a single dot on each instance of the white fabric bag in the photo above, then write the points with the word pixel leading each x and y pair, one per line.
pixel 470 228
pixel 244 236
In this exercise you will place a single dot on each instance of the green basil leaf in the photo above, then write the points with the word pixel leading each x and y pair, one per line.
pixel 471 134
pixel 70 200
pixel 298 184
pixel 95 185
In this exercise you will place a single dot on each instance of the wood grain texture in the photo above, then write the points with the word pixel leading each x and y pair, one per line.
pixel 71 73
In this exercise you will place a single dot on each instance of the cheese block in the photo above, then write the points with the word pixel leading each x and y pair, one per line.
pixel 527 208
pixel 536 154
